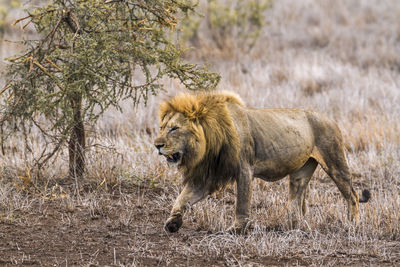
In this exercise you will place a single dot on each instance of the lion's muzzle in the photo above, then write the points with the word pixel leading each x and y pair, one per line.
pixel 159 146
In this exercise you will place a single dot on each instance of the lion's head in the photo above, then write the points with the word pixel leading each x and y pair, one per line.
pixel 198 135
pixel 180 140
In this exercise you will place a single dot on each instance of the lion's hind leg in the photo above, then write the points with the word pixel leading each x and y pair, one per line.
pixel 298 184
pixel 335 164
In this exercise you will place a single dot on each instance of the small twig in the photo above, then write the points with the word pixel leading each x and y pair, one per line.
pixel 73 23
pixel 26 25
pixel 2 141
pixel 112 1
pixel 21 19
pixel 10 113
pixel 40 163
pixel 53 31
pixel 53 64
pixel 48 73
pixel 5 88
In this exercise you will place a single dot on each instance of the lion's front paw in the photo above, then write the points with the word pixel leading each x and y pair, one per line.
pixel 173 224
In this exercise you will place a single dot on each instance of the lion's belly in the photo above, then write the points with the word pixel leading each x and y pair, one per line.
pixel 272 170
pixel 281 146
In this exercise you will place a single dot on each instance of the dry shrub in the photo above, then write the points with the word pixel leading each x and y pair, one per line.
pixel 320 38
pixel 279 76
pixel 370 130
pixel 311 87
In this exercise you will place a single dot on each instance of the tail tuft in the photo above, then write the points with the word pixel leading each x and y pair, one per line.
pixel 366 195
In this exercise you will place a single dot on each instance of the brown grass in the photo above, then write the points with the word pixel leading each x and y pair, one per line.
pixel 340 58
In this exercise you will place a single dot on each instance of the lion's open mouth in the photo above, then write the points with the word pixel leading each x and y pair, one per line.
pixel 174 157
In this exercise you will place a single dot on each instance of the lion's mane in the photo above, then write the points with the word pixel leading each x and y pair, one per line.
pixel 208 112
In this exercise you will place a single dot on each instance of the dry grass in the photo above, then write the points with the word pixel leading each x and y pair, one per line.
pixel 341 58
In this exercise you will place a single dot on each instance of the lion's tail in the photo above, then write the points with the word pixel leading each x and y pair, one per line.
pixel 366 195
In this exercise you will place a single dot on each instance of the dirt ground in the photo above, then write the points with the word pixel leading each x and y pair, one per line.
pixel 122 227
pixel 55 233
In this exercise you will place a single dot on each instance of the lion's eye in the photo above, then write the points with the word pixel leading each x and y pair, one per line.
pixel 173 128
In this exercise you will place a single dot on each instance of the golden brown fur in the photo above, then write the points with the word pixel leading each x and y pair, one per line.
pixel 210 121
pixel 215 139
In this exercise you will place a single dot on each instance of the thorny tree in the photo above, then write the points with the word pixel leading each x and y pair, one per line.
pixel 88 57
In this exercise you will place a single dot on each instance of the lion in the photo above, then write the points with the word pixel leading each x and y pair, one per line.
pixel 214 140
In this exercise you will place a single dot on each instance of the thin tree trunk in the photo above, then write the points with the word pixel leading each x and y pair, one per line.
pixel 77 144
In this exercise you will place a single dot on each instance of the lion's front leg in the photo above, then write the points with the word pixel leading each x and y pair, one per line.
pixel 243 200
pixel 189 196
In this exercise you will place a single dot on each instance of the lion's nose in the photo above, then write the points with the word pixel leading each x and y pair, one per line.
pixel 158 146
